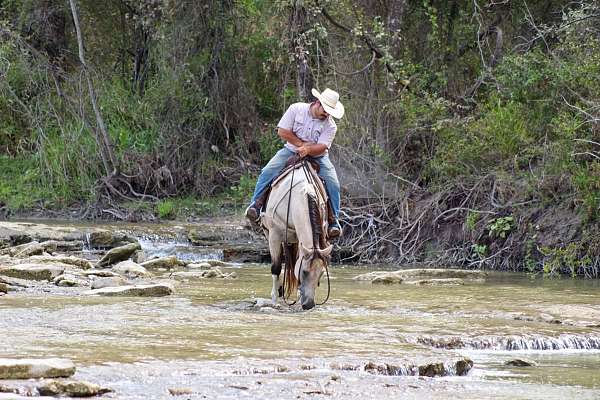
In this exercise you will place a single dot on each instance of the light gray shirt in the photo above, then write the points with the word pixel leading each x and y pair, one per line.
pixel 299 120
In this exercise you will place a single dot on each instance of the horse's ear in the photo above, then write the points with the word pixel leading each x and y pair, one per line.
pixel 326 252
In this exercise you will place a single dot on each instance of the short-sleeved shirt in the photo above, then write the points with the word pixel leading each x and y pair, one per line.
pixel 299 120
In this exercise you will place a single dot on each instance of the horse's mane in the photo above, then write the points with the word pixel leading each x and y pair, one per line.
pixel 315 221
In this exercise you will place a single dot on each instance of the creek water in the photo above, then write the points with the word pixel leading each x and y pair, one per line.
pixel 208 341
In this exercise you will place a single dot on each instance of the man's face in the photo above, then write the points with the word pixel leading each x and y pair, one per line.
pixel 320 112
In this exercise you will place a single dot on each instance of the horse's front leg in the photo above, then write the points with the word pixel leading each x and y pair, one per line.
pixel 276 252
pixel 277 290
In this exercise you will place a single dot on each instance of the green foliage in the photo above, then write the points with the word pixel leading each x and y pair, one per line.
pixel 269 143
pixel 480 250
pixel 567 257
pixel 471 220
pixel 242 192
pixel 500 227
pixel 166 209
pixel 19 183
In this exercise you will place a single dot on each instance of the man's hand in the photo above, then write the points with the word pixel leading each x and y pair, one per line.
pixel 303 150
pixel 311 149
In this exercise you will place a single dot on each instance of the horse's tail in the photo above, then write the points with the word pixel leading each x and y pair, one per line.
pixel 291 282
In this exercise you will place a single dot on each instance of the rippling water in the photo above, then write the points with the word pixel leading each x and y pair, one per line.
pixel 207 340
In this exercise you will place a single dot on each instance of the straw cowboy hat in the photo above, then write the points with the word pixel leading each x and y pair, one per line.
pixel 330 101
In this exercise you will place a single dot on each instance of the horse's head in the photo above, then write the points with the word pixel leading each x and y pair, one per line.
pixel 310 266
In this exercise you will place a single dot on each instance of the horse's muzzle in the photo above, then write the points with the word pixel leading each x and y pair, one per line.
pixel 309 304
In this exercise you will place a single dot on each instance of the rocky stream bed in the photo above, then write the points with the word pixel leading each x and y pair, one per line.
pixel 181 311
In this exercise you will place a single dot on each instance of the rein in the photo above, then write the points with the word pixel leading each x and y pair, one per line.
pixel 310 179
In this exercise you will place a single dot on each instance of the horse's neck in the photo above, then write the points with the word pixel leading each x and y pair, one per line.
pixel 293 190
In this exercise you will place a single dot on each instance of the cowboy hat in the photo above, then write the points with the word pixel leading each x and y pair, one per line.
pixel 330 101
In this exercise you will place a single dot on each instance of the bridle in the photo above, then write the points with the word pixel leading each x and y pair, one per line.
pixel 314 252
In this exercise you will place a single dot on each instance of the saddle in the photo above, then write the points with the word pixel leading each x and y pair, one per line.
pixel 292 163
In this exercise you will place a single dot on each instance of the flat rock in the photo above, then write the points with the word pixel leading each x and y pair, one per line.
pixel 77 262
pixel 414 274
pixel 24 250
pixel 155 290
pixel 118 254
pixel 35 368
pixel 242 253
pixel 98 272
pixel 13 396
pixel 169 262
pixel 214 272
pixel 436 282
pixel 456 367
pixel 199 266
pixel 69 280
pixel 519 362
pixel 130 269
pixel 36 272
pixel 71 389
pixel 387 279
pixel 216 263
pixel 113 281
pixel 106 239
pixel 16 282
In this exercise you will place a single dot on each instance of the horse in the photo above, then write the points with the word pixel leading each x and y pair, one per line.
pixel 297 201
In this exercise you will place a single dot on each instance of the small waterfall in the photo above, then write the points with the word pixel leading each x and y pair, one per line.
pixel 87 242
pixel 512 343
pixel 153 247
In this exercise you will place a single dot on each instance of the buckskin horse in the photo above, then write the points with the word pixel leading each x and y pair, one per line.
pixel 297 201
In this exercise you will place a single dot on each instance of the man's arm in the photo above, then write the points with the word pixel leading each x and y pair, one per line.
pixel 312 149
pixel 290 137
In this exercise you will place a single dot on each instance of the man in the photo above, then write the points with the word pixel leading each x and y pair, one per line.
pixel 308 130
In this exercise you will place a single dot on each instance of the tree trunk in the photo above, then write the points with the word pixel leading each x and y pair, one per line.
pixel 102 138
pixel 395 18
pixel 304 76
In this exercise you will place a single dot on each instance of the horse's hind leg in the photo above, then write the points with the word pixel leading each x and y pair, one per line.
pixel 276 252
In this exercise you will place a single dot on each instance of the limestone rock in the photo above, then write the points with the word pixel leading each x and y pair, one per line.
pixel 139 256
pixel 105 239
pixel 3 288
pixel 431 276
pixel 436 282
pixel 78 262
pixel 35 368
pixel 387 279
pixel 63 245
pixel 37 272
pixel 98 272
pixel 118 254
pixel 16 282
pixel 518 362
pixel 68 280
pixel 169 262
pixel 199 266
pixel 155 290
pixel 71 389
pixel 113 281
pixel 217 263
pixel 130 269
pixel 202 274
pixel 24 250
pixel 246 253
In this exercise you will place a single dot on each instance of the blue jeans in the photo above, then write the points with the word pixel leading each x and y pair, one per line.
pixel 327 172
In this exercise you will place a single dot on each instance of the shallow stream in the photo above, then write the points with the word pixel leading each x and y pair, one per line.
pixel 204 338
pixel 209 341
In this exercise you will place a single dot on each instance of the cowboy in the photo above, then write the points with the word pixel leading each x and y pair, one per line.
pixel 308 130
